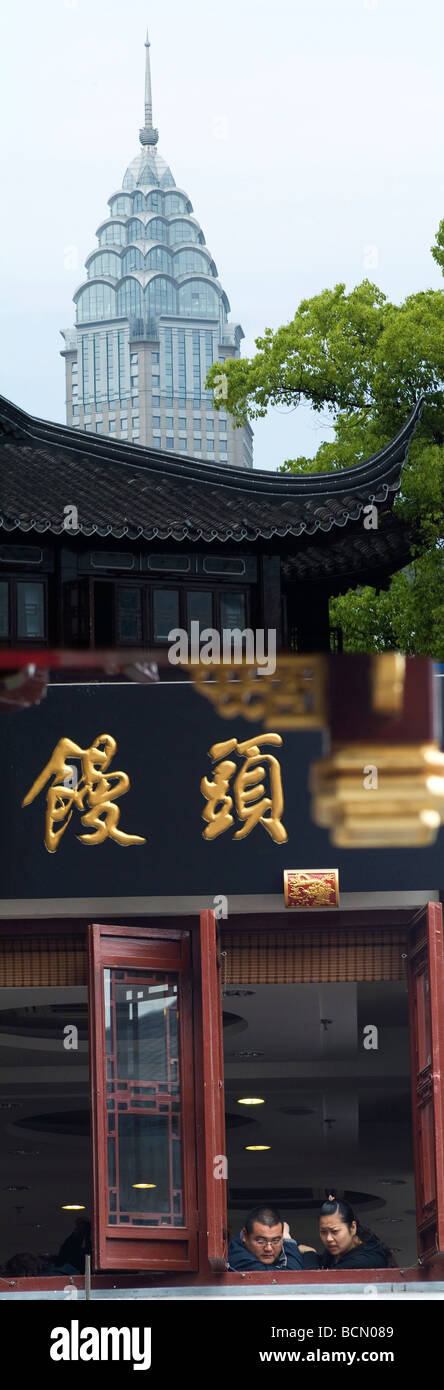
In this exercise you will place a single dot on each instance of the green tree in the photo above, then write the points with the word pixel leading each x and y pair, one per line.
pixel 365 361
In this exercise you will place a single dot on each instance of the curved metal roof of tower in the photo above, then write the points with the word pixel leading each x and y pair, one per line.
pixel 148 169
pixel 151 258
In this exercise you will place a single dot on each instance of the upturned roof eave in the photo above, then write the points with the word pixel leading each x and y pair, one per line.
pixel 385 465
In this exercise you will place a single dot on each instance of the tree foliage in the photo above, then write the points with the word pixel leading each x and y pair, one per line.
pixel 364 362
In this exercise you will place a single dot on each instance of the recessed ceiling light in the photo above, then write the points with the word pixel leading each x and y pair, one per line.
pixel 251 1100
pixel 73 1206
pixel 28 1153
pixel 257 1148
pixel 391 1182
pixel 144 1184
pixel 295 1110
pixel 245 1053
pixel 389 1220
pixel 237 993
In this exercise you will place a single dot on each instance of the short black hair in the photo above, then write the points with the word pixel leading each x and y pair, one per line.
pixel 268 1216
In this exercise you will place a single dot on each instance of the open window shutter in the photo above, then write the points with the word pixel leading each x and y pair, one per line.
pixel 213 1093
pixel 142 1099
pixel 426 966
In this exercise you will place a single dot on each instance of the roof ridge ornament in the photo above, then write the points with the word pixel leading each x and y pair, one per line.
pixel 148 135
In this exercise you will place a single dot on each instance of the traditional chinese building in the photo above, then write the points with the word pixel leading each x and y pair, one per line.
pixel 108 544
pixel 174 894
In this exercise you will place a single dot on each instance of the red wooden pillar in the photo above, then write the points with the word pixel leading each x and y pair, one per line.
pixel 426 1005
pixel 213 1094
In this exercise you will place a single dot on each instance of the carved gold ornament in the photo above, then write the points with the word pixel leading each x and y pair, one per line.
pixel 311 888
pixel 387 677
pixel 295 698
pixel 379 796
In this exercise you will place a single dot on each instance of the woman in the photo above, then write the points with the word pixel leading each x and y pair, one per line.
pixel 347 1244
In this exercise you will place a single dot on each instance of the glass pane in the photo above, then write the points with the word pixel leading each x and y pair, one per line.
pixel 144 1150
pixel 232 610
pixel 30 611
pixel 4 607
pixel 200 609
pixel 141 1036
pixel 166 612
pixel 129 615
pixel 142 1040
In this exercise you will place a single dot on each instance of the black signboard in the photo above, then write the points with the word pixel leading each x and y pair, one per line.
pixel 163 736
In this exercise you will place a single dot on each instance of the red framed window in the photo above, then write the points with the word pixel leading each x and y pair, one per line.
pixel 143 1104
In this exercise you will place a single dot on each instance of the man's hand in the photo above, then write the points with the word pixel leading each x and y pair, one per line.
pixel 288 1236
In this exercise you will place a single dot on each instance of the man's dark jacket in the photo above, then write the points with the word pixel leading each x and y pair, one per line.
pixel 240 1258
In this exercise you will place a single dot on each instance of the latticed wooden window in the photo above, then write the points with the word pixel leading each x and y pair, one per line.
pixel 143 1109
pixel 145 1159
pixel 294 956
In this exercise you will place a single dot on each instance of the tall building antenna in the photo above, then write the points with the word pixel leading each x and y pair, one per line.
pixel 148 135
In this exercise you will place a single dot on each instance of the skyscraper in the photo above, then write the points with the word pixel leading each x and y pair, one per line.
pixel 152 317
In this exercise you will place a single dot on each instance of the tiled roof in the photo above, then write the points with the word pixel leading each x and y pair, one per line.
pixel 126 490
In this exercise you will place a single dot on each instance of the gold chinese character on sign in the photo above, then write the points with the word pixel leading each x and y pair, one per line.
pixel 251 803
pixel 94 794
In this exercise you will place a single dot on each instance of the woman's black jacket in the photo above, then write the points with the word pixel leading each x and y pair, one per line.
pixel 369 1255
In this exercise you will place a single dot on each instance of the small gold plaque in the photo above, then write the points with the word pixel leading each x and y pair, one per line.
pixel 311 888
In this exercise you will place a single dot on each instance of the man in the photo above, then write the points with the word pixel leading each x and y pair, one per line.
pixel 265 1243
pixel 75 1247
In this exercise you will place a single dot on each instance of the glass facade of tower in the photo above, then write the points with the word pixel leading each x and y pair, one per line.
pixel 151 318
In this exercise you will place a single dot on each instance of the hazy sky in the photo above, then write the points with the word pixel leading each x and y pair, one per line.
pixel 304 131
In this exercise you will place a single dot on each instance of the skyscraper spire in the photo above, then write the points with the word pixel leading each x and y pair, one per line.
pixel 166 291
pixel 148 135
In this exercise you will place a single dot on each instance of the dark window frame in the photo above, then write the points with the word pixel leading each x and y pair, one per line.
pixel 147 590
pixel 13 639
pixel 217 592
